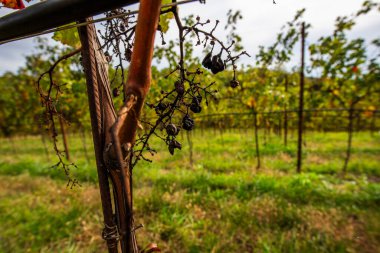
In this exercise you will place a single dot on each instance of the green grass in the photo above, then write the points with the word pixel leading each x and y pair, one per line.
pixel 221 203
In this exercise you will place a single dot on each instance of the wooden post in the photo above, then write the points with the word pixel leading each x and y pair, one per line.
pixel 301 93
pixel 256 140
pixel 286 113
pixel 349 141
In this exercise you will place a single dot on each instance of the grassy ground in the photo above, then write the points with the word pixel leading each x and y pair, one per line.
pixel 221 203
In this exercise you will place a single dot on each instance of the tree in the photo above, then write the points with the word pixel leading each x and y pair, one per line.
pixel 349 75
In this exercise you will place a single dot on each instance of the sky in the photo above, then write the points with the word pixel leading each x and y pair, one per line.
pixel 261 22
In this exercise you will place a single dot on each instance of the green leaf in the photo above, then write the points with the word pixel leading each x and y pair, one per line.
pixel 165 20
pixel 68 37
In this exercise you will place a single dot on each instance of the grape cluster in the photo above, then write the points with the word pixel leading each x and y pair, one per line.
pixel 176 107
pixel 164 110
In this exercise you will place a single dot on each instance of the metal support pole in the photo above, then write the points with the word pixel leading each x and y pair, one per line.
pixel 300 112
pixel 53 13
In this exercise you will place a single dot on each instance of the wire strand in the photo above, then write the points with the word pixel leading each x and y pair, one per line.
pixel 66 27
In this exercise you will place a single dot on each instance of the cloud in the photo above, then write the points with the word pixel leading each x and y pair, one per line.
pixel 12 55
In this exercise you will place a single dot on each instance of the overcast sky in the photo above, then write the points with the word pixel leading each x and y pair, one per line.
pixel 261 22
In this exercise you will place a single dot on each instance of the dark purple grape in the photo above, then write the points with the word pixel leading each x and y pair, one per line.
pixel 217 64
pixel 172 130
pixel 128 54
pixel 115 92
pixel 195 107
pixel 197 99
pixel 179 87
pixel 207 62
pixel 161 107
pixel 187 123
pixel 234 83
pixel 173 144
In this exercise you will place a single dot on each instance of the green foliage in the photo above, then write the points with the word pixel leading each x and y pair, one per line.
pixel 21 111
pixel 282 50
pixel 19 108
pixel 349 74
pixel 68 37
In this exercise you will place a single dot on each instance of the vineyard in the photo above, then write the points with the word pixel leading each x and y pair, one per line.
pixel 224 157
pixel 211 205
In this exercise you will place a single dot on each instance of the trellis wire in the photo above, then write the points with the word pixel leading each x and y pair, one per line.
pixel 283 111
